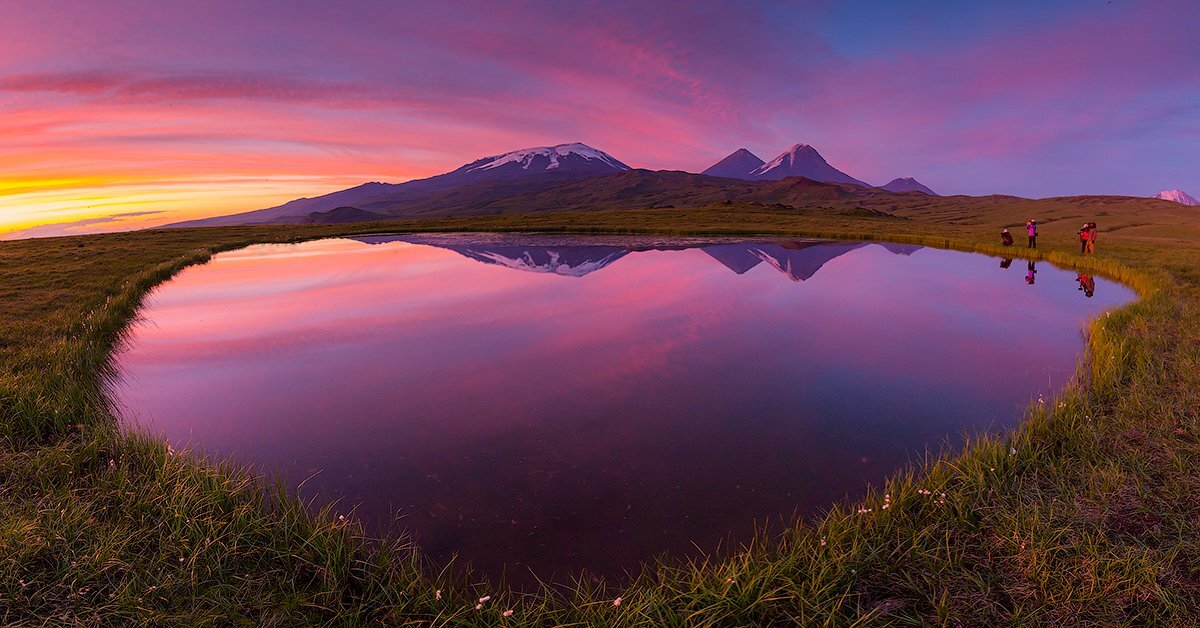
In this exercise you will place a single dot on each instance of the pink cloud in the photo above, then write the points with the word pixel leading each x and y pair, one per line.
pixel 1073 102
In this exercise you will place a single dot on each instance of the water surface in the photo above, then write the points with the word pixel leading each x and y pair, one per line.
pixel 550 404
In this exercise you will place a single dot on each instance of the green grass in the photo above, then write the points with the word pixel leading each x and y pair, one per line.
pixel 1087 513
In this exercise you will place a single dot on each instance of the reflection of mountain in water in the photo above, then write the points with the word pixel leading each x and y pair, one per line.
pixel 736 257
pixel 900 249
pixel 799 260
pixel 567 260
pixel 572 261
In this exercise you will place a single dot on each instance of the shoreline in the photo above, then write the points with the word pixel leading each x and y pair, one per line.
pixel 838 529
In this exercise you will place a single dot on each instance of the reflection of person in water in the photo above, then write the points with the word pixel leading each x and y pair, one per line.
pixel 1005 238
pixel 1029 275
pixel 1006 262
pixel 1088 284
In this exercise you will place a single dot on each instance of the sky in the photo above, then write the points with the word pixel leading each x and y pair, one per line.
pixel 127 114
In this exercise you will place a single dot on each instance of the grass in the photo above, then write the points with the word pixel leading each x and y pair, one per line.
pixel 1084 514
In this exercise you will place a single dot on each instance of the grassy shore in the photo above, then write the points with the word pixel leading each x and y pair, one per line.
pixel 1087 513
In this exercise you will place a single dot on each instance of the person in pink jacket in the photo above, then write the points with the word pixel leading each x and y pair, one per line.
pixel 1031 226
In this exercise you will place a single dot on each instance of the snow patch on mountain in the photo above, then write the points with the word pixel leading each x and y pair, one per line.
pixel 1177 196
pixel 526 156
pixel 788 157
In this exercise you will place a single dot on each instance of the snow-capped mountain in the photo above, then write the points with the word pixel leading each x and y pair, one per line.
pixel 738 165
pixel 561 163
pixel 802 160
pixel 1177 196
pixel 907 184
pixel 563 156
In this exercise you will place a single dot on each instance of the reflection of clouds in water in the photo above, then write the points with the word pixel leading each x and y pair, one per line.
pixel 665 391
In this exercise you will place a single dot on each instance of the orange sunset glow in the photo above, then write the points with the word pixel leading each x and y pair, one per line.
pixel 119 119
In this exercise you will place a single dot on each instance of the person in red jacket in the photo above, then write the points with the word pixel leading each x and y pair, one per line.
pixel 1083 237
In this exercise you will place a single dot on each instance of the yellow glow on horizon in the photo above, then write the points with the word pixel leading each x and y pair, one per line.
pixel 113 202
pixel 9 187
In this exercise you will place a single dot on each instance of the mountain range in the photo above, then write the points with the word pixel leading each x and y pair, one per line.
pixel 801 160
pixel 573 176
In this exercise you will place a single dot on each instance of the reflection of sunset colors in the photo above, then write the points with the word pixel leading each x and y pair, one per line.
pixel 188 109
pixel 558 422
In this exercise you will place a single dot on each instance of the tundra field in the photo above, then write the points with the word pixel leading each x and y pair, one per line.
pixel 1086 513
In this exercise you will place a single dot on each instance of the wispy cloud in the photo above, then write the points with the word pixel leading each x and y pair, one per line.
pixel 100 224
pixel 1021 97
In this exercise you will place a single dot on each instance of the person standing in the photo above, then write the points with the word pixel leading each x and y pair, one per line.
pixel 1091 238
pixel 1083 237
pixel 1006 238
pixel 1032 228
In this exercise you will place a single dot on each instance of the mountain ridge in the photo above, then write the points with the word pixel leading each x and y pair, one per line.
pixel 572 160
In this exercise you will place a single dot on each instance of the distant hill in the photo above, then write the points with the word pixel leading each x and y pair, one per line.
pixel 342 215
pixel 1177 196
pixel 559 163
pixel 907 184
pixel 802 160
pixel 738 165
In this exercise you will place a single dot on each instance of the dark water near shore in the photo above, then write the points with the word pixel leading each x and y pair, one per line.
pixel 553 404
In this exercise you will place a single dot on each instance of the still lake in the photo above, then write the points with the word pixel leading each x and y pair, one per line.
pixel 558 404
